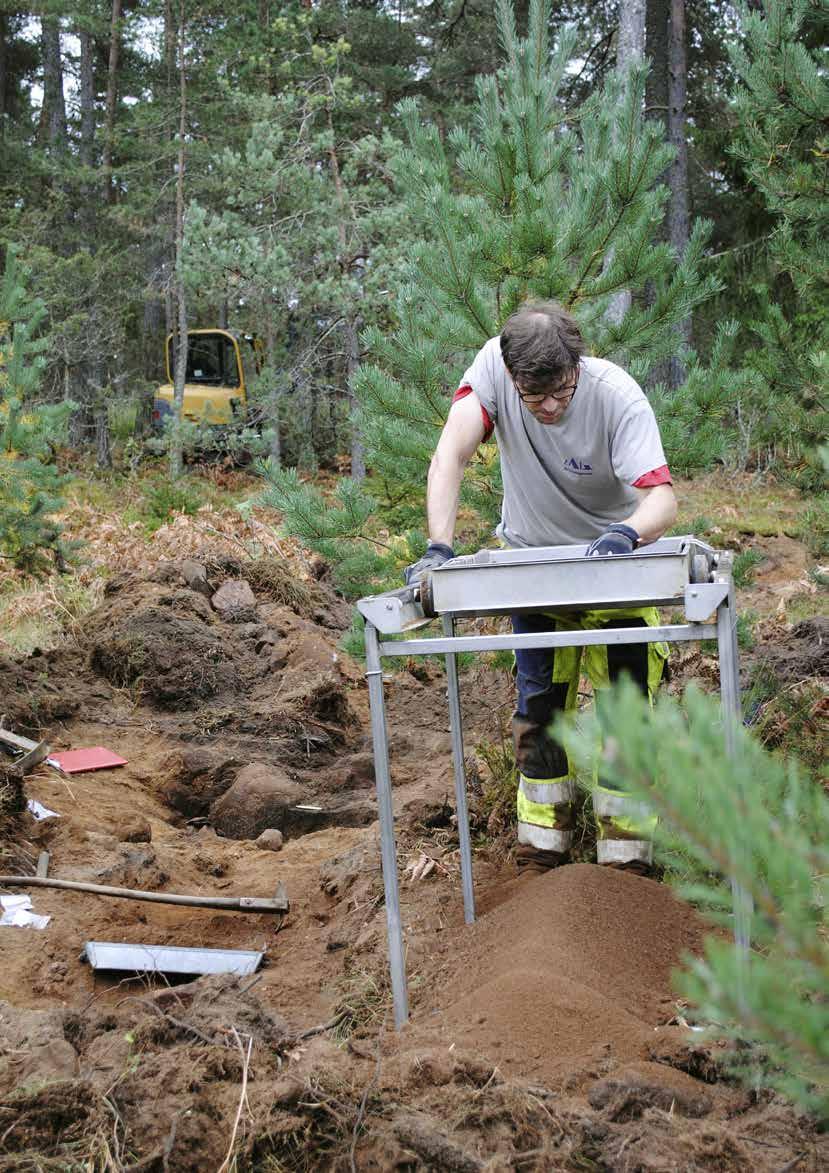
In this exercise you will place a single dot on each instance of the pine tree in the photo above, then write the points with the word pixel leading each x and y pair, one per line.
pixel 760 820
pixel 783 109
pixel 534 200
pixel 29 481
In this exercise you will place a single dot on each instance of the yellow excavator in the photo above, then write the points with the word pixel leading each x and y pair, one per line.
pixel 221 365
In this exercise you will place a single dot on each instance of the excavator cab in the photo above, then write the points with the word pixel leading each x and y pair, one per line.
pixel 220 367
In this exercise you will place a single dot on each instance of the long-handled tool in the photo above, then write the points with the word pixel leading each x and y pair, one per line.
pixel 276 903
pixel 28 753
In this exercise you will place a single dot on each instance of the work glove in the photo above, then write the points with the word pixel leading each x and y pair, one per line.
pixel 616 539
pixel 436 554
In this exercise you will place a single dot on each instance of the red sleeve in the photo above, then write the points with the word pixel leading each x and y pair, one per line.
pixel 657 476
pixel 462 393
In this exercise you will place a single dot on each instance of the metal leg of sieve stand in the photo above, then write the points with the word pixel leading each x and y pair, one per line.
pixel 461 810
pixel 388 849
pixel 732 714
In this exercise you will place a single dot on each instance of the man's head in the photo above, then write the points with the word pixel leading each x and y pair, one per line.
pixel 541 345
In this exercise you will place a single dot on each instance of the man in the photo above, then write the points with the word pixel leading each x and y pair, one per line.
pixel 582 462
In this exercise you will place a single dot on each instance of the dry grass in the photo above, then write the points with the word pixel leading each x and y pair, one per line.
pixel 363 1004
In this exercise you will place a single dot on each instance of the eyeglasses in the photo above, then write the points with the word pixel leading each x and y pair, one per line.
pixel 534 398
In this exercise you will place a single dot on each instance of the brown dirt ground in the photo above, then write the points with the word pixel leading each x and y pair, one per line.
pixel 544 1037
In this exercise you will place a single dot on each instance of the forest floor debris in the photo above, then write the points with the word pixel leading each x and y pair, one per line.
pixel 544 1037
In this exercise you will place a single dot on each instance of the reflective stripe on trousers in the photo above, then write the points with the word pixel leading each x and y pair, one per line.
pixel 545 813
pixel 548 680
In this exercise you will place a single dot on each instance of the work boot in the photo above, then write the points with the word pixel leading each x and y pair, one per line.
pixel 533 857
pixel 637 866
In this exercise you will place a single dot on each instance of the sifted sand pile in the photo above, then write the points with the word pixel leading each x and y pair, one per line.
pixel 576 963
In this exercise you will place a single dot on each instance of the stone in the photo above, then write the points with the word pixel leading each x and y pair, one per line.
pixel 195 575
pixel 270 840
pixel 101 839
pixel 196 778
pixel 136 830
pixel 235 601
pixel 260 798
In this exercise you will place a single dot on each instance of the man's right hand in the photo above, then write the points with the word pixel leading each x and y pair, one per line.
pixel 436 554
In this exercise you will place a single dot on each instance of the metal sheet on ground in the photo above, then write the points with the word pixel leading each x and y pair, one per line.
pixel 110 955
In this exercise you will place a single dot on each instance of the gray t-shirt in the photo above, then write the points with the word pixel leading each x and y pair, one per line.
pixel 565 483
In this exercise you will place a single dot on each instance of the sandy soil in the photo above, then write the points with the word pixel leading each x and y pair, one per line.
pixel 543 1037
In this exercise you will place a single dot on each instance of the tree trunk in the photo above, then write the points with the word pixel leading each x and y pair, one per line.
pixel 630 48
pixel 274 396
pixel 176 456
pixel 53 115
pixel 87 99
pixel 169 46
pixel 103 447
pixel 352 349
pixel 86 145
pixel 656 47
pixel 4 71
pixel 358 462
pixel 678 215
pixel 630 45
pixel 81 421
pixel 111 98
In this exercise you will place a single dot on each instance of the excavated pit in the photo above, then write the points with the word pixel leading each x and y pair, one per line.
pixel 544 1037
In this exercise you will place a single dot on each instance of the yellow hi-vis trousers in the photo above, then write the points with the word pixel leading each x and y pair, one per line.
pixel 548 682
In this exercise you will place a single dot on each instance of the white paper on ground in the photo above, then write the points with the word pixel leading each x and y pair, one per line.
pixel 17 913
pixel 40 811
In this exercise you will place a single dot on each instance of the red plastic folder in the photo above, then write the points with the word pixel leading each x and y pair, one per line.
pixel 76 761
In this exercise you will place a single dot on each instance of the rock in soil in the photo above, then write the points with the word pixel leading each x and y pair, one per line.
pixel 270 840
pixel 260 798
pixel 235 601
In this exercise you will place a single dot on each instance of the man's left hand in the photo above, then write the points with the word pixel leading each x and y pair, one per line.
pixel 617 539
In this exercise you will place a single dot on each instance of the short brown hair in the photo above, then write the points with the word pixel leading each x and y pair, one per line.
pixel 540 342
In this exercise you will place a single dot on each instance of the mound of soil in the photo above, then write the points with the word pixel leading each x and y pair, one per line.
pixel 177 661
pixel 575 964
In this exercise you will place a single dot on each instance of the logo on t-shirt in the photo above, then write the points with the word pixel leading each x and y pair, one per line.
pixel 580 467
